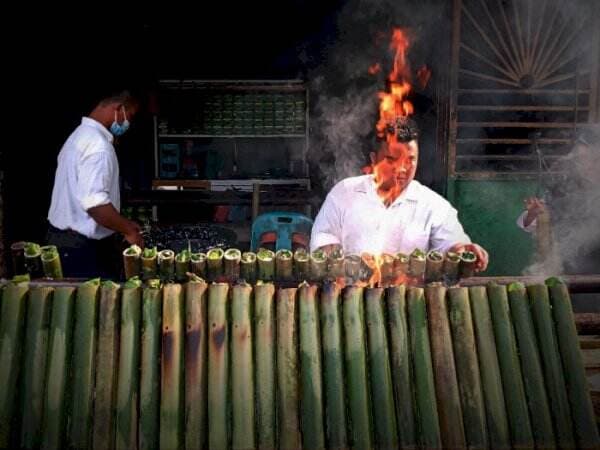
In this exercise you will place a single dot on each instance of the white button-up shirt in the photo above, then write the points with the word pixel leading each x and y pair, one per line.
pixel 87 176
pixel 354 216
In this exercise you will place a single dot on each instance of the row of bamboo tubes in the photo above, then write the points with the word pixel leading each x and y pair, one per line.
pixel 238 366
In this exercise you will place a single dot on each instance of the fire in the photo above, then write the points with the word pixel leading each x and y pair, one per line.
pixel 394 103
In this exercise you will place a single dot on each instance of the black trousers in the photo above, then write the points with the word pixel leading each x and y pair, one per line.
pixel 82 257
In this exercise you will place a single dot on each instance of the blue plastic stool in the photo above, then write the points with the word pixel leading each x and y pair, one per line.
pixel 284 224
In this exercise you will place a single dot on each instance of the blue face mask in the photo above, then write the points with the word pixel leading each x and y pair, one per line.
pixel 118 129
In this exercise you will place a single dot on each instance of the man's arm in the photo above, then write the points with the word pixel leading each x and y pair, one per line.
pixel 109 217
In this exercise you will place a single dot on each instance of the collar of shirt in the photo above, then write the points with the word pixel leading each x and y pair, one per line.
pixel 97 125
pixel 410 194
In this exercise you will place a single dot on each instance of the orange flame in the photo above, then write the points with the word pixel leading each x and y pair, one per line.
pixel 395 103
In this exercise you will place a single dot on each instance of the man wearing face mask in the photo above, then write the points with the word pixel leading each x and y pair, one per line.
pixel 84 211
pixel 388 211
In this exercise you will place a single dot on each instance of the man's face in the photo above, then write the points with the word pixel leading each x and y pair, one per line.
pixel 395 164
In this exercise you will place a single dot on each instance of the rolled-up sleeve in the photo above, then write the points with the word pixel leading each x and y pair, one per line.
pixel 327 229
pixel 93 180
pixel 521 223
pixel 447 232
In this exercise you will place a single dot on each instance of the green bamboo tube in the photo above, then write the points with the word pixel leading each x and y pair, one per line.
pixel 127 412
pixel 166 265
pixel 466 268
pixel 198 264
pixel 428 428
pixel 107 357
pixel 284 265
pixel 387 269
pixel 150 366
pixel 287 370
pixel 34 366
pixel 264 339
pixel 586 431
pixel 33 260
pixel 336 264
pixel 401 265
pixel 132 261
pixel 311 401
pixel 242 370
pixel 182 265
pixel 434 266
pixel 318 265
pixel 417 263
pixel 172 367
pixel 248 267
pixel 553 371
pixel 401 365
pixel 539 409
pixel 84 367
pixel 149 263
pixel 491 381
pixel 214 264
pixel 59 345
pixel 382 390
pixel 352 264
pixel 450 268
pixel 196 368
pixel 218 366
pixel 333 367
pixel 510 368
pixel 442 356
pixel 356 368
pixel 266 264
pixel 467 368
pixel 301 264
pixel 51 262
pixel 231 264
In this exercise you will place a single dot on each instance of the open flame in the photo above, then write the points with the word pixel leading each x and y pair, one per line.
pixel 394 103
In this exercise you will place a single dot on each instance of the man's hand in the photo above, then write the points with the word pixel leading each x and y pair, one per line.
pixel 133 235
pixel 480 252
pixel 109 217
pixel 534 207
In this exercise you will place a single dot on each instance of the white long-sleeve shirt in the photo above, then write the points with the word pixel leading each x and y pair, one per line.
pixel 87 176
pixel 521 223
pixel 354 216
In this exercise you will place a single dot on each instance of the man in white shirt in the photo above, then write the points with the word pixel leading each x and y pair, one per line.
pixel 388 211
pixel 84 210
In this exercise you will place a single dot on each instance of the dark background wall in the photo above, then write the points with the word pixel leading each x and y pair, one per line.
pixel 59 65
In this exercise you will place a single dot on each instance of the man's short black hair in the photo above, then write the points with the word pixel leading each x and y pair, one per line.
pixel 124 96
pixel 406 129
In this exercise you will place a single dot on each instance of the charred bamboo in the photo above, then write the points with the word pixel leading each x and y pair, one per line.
pixel 182 265
pixel 231 264
pixel 214 264
pixel 33 260
pixel 283 265
pixel 451 268
pixel 434 266
pixel 336 264
pixel 132 261
pixel 318 265
pixel 166 265
pixel 301 264
pixel 198 264
pixel 248 267
pixel 468 261
pixel 51 262
pixel 149 263
pixel 417 263
pixel 266 264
